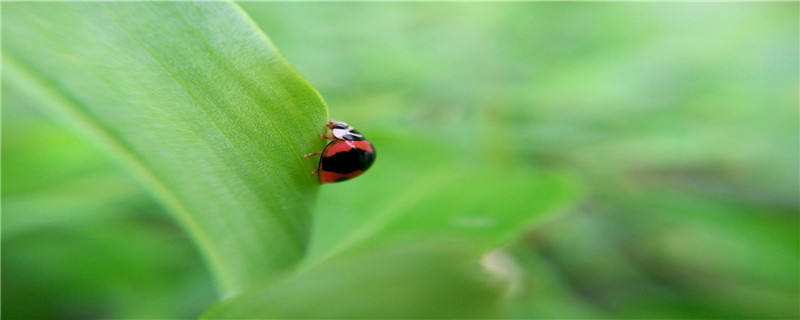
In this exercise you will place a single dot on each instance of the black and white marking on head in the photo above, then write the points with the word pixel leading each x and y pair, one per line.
pixel 344 131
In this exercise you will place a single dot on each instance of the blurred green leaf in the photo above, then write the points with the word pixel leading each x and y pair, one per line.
pixel 408 279
pixel 74 202
pixel 121 267
pixel 724 252
pixel 52 177
pixel 437 188
pixel 666 254
pixel 196 100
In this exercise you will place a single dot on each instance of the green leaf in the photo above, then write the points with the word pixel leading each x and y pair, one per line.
pixel 434 194
pixel 437 189
pixel 198 103
pixel 404 280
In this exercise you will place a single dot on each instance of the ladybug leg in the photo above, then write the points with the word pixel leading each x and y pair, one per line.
pixel 327 136
pixel 312 154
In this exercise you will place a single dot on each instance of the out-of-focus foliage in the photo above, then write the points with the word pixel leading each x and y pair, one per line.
pixel 682 120
pixel 665 134
pixel 417 279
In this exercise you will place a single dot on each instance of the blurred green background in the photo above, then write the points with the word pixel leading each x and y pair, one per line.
pixel 676 125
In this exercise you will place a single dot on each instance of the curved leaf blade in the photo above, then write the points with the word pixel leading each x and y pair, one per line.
pixel 435 195
pixel 200 105
pixel 417 279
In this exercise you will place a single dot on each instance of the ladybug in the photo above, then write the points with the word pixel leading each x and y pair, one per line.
pixel 347 156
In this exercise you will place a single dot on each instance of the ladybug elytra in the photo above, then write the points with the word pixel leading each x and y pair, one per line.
pixel 347 156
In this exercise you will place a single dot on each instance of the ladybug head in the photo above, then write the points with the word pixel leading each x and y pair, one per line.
pixel 333 124
pixel 344 131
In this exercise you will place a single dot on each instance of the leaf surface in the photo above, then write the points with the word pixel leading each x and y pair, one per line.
pixel 403 280
pixel 437 189
pixel 198 103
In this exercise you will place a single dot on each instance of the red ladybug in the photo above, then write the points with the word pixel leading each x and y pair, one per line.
pixel 347 156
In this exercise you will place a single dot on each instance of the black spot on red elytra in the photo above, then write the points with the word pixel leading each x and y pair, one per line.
pixel 348 161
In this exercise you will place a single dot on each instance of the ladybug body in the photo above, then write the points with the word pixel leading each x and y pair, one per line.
pixel 347 156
